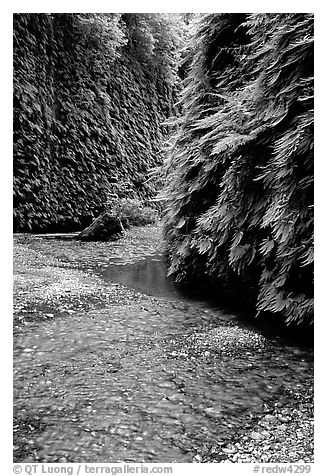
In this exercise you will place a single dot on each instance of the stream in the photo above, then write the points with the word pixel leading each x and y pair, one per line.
pixel 113 363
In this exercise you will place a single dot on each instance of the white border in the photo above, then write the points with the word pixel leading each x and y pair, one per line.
pixel 320 187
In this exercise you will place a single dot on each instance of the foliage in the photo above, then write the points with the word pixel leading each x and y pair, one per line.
pixel 87 112
pixel 134 212
pixel 158 37
pixel 239 189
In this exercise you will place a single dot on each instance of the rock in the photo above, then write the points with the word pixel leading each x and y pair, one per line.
pixel 283 419
pixel 212 412
pixel 106 227
pixel 256 436
pixel 270 419
pixel 229 450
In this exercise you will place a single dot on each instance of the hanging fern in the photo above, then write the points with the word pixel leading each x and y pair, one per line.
pixel 88 112
pixel 240 165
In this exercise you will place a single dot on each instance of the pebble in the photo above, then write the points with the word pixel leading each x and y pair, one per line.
pixel 283 419
pixel 230 449
pixel 197 458
pixel 256 436
pixel 270 418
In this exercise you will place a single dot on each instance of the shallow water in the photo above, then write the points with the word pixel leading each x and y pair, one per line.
pixel 148 276
pixel 159 378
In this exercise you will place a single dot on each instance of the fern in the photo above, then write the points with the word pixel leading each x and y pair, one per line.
pixel 240 164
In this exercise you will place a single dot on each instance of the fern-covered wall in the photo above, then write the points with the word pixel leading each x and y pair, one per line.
pixel 90 94
pixel 239 194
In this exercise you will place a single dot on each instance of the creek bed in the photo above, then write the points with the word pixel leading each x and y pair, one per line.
pixel 113 363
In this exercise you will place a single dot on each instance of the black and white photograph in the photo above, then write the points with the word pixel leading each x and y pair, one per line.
pixel 163 191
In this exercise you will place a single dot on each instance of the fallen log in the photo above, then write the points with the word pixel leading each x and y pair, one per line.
pixel 57 236
pixel 106 227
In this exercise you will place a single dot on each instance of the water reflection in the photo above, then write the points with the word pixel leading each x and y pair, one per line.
pixel 148 276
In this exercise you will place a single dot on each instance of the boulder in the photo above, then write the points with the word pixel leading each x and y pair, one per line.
pixel 106 227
